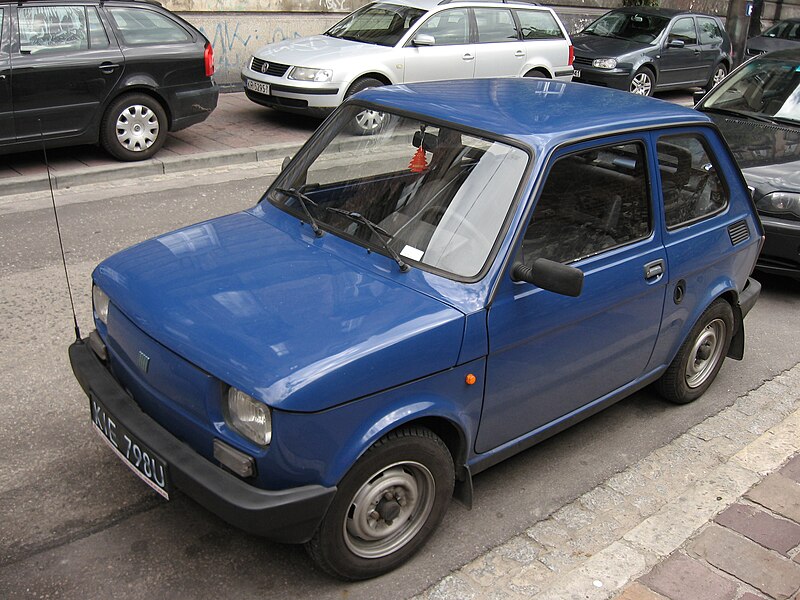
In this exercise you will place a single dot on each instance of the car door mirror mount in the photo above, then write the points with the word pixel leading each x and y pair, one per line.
pixel 550 275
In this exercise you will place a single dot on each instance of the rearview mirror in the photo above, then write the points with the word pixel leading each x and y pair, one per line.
pixel 551 276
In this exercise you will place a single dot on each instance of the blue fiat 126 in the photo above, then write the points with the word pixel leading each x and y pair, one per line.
pixel 403 310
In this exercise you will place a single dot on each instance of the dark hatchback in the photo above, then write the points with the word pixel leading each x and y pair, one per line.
pixel 757 108
pixel 644 50
pixel 781 36
pixel 117 73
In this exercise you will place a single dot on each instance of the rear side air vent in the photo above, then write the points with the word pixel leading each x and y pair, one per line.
pixel 739 232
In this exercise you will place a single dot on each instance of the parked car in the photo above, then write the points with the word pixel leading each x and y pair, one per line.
pixel 118 73
pixel 400 312
pixel 757 108
pixel 781 36
pixel 644 50
pixel 403 41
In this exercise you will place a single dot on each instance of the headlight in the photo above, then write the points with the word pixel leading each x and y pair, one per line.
pixel 100 302
pixel 604 63
pixel 304 74
pixel 778 203
pixel 249 417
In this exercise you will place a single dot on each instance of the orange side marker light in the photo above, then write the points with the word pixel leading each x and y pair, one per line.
pixel 470 379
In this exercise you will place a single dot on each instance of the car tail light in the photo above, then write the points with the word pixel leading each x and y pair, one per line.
pixel 571 54
pixel 208 59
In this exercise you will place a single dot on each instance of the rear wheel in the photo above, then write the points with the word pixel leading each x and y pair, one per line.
pixel 700 357
pixel 367 122
pixel 134 127
pixel 720 71
pixel 386 506
pixel 643 82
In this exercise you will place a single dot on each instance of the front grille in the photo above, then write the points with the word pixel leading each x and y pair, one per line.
pixel 580 60
pixel 268 68
pixel 738 232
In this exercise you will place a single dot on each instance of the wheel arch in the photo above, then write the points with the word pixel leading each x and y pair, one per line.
pixel 544 70
pixel 383 78
pixel 140 86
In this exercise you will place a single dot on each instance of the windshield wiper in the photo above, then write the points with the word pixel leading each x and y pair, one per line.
pixel 738 113
pixel 378 232
pixel 304 202
pixel 784 121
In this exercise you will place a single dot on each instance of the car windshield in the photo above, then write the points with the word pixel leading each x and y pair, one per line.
pixel 789 30
pixel 763 88
pixel 426 195
pixel 382 24
pixel 634 27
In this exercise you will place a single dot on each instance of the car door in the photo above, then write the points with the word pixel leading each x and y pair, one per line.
pixel 6 113
pixel 65 68
pixel 552 355
pixel 711 41
pixel 452 56
pixel 681 60
pixel 500 52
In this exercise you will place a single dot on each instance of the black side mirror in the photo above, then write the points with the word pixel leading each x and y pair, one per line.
pixel 551 276
pixel 697 96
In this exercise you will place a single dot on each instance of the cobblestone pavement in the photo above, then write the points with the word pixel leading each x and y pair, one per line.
pixel 713 515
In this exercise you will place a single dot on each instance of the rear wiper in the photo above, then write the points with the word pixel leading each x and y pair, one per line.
pixel 304 202
pixel 377 231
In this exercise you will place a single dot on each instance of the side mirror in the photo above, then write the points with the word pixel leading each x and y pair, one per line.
pixel 551 276
pixel 285 163
pixel 675 44
pixel 423 39
pixel 697 96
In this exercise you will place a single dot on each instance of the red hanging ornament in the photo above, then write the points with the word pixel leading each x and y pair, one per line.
pixel 418 164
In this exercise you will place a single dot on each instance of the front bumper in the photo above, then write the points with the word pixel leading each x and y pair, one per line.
pixel 781 252
pixel 619 79
pixel 300 96
pixel 291 515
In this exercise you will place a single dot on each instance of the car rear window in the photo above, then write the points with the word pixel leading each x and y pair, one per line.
pixel 139 26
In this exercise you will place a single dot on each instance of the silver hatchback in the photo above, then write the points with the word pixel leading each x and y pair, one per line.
pixel 407 41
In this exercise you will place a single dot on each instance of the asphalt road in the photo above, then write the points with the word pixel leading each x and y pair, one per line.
pixel 75 523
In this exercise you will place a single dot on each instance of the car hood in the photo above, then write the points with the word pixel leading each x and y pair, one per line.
pixel 277 316
pixel 769 44
pixel 593 46
pixel 318 51
pixel 766 153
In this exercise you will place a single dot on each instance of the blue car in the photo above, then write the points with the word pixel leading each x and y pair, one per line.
pixel 403 310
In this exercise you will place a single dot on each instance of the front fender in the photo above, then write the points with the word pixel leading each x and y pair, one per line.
pixel 322 447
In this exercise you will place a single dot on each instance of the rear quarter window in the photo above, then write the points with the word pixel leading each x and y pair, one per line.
pixel 538 25
pixel 140 26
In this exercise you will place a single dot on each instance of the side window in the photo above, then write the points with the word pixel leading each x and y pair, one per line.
pixel 710 32
pixel 538 25
pixel 691 187
pixel 592 200
pixel 139 26
pixel 98 38
pixel 52 29
pixel 448 27
pixel 683 29
pixel 495 25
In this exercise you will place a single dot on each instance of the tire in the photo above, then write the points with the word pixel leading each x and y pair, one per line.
pixel 643 82
pixel 720 71
pixel 367 533
pixel 367 122
pixel 700 357
pixel 134 127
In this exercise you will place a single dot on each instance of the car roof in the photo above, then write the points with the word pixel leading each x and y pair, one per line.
pixel 23 2
pixel 662 12
pixel 539 113
pixel 432 4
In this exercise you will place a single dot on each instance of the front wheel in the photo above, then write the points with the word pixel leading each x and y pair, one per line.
pixel 134 127
pixel 700 357
pixel 386 506
pixel 367 122
pixel 642 83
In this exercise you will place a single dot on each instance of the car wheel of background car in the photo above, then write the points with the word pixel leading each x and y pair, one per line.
pixel 386 506
pixel 700 357
pixel 643 82
pixel 367 122
pixel 720 71
pixel 134 127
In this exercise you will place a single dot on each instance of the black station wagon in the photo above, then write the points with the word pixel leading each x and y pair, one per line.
pixel 120 74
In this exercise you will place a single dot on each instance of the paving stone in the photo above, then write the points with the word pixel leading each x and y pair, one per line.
pixel 529 579
pixel 750 596
pixel 488 569
pixel 574 516
pixel 682 578
pixel 637 591
pixel 450 587
pixel 766 571
pixel 775 533
pixel 792 469
pixel 601 499
pixel 549 533
pixel 779 494
pixel 521 549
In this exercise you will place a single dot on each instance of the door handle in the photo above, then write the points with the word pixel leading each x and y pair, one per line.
pixel 468 56
pixel 108 67
pixel 654 270
pixel 519 53
pixel 2 77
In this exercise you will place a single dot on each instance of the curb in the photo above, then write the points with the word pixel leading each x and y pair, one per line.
pixel 146 168
pixel 593 547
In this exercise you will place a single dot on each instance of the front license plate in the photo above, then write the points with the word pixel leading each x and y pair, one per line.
pixel 576 73
pixel 138 457
pixel 257 86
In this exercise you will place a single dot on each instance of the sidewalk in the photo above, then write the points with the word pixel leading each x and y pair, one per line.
pixel 713 515
pixel 237 132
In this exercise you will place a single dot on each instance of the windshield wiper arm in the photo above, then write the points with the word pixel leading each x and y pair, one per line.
pixel 738 113
pixel 378 231
pixel 304 202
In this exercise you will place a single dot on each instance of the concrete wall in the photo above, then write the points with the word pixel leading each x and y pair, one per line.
pixel 237 28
